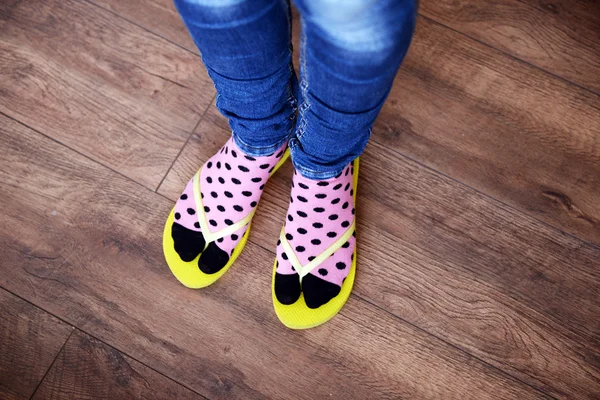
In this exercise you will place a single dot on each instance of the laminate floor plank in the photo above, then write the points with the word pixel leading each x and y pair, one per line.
pixel 158 16
pixel 100 85
pixel 559 36
pixel 507 129
pixel 30 340
pixel 89 369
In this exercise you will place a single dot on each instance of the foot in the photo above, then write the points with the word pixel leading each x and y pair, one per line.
pixel 230 185
pixel 320 214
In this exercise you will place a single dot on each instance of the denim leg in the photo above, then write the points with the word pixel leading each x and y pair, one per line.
pixel 245 46
pixel 350 52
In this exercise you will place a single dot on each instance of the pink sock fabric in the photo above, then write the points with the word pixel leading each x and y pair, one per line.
pixel 231 184
pixel 320 212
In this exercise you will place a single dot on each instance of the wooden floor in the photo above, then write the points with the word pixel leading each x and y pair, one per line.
pixel 478 214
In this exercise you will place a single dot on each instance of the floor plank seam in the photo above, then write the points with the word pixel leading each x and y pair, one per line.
pixel 59 351
pixel 76 328
pixel 141 27
pixel 509 55
pixel 75 151
pixel 185 144
pixel 450 344
pixel 486 195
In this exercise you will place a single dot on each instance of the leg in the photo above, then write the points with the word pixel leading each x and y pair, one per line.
pixel 351 52
pixel 245 46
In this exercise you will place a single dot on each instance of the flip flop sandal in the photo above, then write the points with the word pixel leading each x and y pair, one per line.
pixel 209 225
pixel 315 265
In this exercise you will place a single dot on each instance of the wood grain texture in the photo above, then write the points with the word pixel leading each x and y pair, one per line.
pixel 89 369
pixel 100 85
pixel 159 16
pixel 559 36
pixel 500 126
pixel 508 289
pixel 30 340
pixel 100 267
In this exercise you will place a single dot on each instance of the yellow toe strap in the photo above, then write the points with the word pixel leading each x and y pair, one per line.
pixel 208 235
pixel 304 270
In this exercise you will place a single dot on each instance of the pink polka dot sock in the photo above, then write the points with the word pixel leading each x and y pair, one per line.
pixel 231 184
pixel 319 214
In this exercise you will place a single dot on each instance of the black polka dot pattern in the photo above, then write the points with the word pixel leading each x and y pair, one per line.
pixel 231 185
pixel 320 213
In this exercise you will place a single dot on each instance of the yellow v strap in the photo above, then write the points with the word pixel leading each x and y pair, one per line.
pixel 208 235
pixel 304 270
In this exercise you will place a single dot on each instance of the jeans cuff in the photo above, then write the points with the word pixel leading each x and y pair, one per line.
pixel 308 172
pixel 256 151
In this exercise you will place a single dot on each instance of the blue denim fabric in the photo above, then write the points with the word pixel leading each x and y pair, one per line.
pixel 350 52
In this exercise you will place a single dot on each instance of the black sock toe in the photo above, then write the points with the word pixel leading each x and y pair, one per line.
pixel 287 288
pixel 213 259
pixel 317 291
pixel 188 243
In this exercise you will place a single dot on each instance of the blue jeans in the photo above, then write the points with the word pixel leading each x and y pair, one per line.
pixel 350 52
